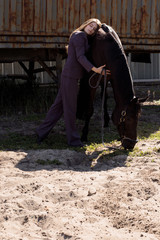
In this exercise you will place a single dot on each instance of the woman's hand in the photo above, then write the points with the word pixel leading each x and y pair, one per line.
pixel 99 70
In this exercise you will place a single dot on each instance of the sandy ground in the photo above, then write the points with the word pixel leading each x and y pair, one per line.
pixel 89 196
pixel 117 198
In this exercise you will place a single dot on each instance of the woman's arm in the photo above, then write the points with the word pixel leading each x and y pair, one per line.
pixel 80 43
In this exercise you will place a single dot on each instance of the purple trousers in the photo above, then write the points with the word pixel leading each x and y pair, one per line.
pixel 65 103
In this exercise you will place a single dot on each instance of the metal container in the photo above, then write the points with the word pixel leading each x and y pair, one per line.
pixel 48 23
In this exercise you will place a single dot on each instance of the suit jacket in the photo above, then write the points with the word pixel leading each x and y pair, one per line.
pixel 77 62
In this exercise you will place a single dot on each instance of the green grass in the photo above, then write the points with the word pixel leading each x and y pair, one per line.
pixel 157 150
pixel 155 135
pixel 14 141
pixel 136 152
pixel 148 129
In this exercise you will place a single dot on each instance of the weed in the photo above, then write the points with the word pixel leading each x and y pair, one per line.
pixel 139 153
pixel 156 150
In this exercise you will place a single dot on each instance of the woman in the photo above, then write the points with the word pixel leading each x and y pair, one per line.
pixel 66 100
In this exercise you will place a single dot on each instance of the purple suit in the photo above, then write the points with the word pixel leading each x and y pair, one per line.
pixel 66 100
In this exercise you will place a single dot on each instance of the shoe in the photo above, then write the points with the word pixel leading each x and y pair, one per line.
pixel 39 140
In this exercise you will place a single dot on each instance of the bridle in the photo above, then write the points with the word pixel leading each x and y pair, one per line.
pixel 122 123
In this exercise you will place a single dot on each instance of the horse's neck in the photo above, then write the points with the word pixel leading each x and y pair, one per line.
pixel 123 95
pixel 122 82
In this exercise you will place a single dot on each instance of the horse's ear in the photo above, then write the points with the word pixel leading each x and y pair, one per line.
pixel 105 27
pixel 134 100
pixel 141 100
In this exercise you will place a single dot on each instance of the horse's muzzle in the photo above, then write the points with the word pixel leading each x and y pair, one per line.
pixel 128 143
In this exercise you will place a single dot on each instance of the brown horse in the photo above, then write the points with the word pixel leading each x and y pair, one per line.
pixel 106 48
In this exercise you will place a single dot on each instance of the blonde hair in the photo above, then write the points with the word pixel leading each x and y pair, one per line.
pixel 83 25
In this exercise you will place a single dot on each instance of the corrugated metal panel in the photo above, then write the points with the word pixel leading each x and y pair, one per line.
pixel 136 21
pixel 146 70
pixel 45 23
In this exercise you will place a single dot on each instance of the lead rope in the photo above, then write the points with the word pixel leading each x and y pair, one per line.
pixel 102 109
pixel 103 99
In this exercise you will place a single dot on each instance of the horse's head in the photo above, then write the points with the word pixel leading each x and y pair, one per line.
pixel 126 120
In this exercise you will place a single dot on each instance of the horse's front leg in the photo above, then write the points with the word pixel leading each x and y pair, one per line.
pixel 85 130
pixel 84 137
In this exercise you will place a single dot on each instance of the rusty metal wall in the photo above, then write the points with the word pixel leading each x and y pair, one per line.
pixel 48 23
pixel 136 21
